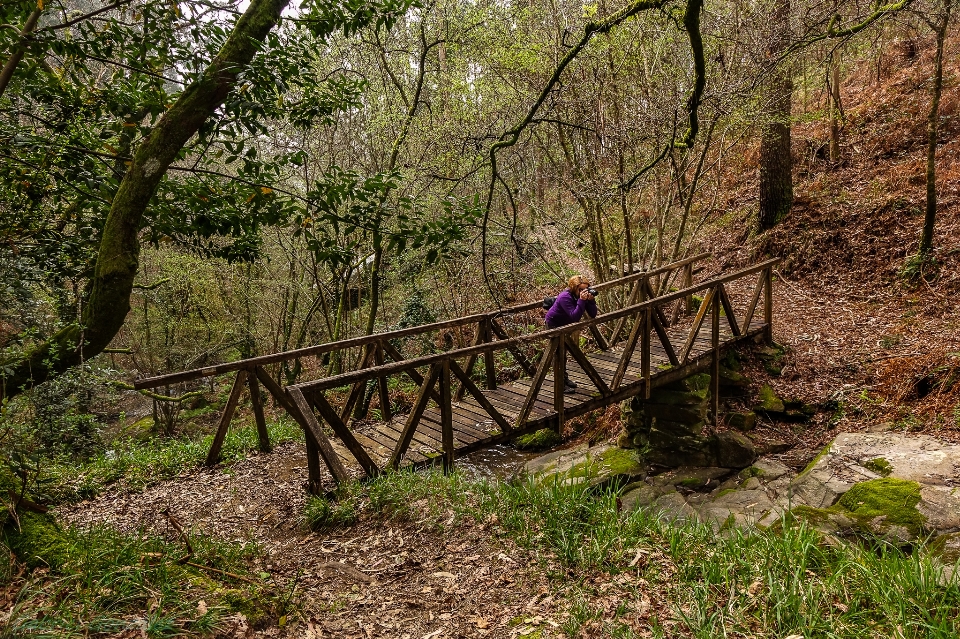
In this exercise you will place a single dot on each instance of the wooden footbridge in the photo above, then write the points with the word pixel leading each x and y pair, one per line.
pixel 646 335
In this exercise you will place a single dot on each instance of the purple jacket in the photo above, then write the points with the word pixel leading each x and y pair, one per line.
pixel 569 309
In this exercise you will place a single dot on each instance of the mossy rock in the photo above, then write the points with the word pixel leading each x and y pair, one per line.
pixel 697 382
pixel 879 465
pixel 894 500
pixel 732 379
pixel 677 397
pixel 540 440
pixel 742 421
pixel 769 403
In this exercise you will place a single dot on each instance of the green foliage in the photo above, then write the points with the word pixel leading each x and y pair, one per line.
pixel 540 440
pixel 113 580
pixel 334 511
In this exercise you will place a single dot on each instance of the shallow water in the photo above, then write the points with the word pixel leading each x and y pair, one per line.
pixel 497 462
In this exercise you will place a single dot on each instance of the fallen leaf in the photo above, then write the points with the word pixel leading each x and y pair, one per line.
pixel 201 608
pixel 447 575
pixel 480 622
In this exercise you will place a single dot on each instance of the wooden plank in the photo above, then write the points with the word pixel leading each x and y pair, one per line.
pixel 324 447
pixel 213 456
pixel 461 425
pixel 466 382
pixel 446 417
pixel 517 354
pixel 263 437
pixel 423 396
pixel 333 419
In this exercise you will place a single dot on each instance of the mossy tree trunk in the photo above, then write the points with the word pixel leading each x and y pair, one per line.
pixel 776 163
pixel 108 300
pixel 933 126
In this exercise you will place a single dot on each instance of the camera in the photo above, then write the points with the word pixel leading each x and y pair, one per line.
pixel 592 291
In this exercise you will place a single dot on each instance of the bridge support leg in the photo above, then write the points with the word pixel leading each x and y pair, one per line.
pixel 446 417
pixel 715 364
pixel 559 375
pixel 214 455
pixel 263 437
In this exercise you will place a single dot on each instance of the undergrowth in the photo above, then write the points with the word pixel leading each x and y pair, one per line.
pixel 140 464
pixel 742 582
pixel 82 583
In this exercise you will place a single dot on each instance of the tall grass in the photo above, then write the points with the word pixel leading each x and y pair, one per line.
pixel 738 582
pixel 141 464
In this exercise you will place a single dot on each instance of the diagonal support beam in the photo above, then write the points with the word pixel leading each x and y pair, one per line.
pixel 213 456
pixel 330 416
pixel 413 419
pixel 304 415
pixel 542 369
pixel 587 367
pixel 468 385
pixel 728 309
pixel 705 306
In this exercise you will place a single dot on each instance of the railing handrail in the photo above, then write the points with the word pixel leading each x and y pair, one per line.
pixel 398 367
pixel 319 349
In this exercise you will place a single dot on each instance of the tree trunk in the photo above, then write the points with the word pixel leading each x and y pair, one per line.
pixel 118 259
pixel 933 122
pixel 776 165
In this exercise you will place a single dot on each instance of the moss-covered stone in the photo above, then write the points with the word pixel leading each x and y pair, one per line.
pixel 540 440
pixel 731 379
pixel 879 465
pixel 744 422
pixel 894 500
pixel 697 382
pixel 769 402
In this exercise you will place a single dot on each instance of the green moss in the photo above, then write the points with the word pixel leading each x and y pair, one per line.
pixel 879 465
pixel 40 541
pixel 894 499
pixel 751 471
pixel 539 440
pixel 691 482
pixel 811 514
pixel 726 491
pixel 813 462
pixel 769 402
pixel 613 461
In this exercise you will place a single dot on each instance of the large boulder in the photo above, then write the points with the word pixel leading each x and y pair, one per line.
pixel 597 466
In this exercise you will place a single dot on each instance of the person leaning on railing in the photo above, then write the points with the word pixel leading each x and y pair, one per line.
pixel 568 308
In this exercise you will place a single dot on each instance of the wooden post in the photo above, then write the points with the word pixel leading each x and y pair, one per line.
pixel 385 412
pixel 446 417
pixel 214 455
pixel 559 374
pixel 312 429
pixel 263 436
pixel 646 319
pixel 768 305
pixel 715 373
pixel 471 361
pixel 488 360
pixel 314 472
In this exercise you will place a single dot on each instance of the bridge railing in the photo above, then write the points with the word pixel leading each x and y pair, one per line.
pixel 372 352
pixel 436 375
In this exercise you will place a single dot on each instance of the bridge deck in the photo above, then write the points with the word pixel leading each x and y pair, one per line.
pixel 473 429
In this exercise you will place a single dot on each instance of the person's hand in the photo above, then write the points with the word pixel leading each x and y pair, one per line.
pixel 585 295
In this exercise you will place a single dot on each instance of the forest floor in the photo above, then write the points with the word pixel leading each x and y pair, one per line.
pixel 870 348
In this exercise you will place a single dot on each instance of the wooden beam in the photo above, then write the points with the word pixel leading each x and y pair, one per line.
pixel 664 338
pixel 728 309
pixel 645 351
pixel 715 369
pixel 472 360
pixel 360 387
pixel 631 300
pixel 446 417
pixel 340 428
pixel 598 337
pixel 542 369
pixel 517 354
pixel 485 404
pixel 586 366
pixel 412 373
pixel 385 412
pixel 751 309
pixel 406 435
pixel 263 437
pixel 559 375
pixel 213 456
pixel 489 363
pixel 628 348
pixel 312 426
pixel 697 323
